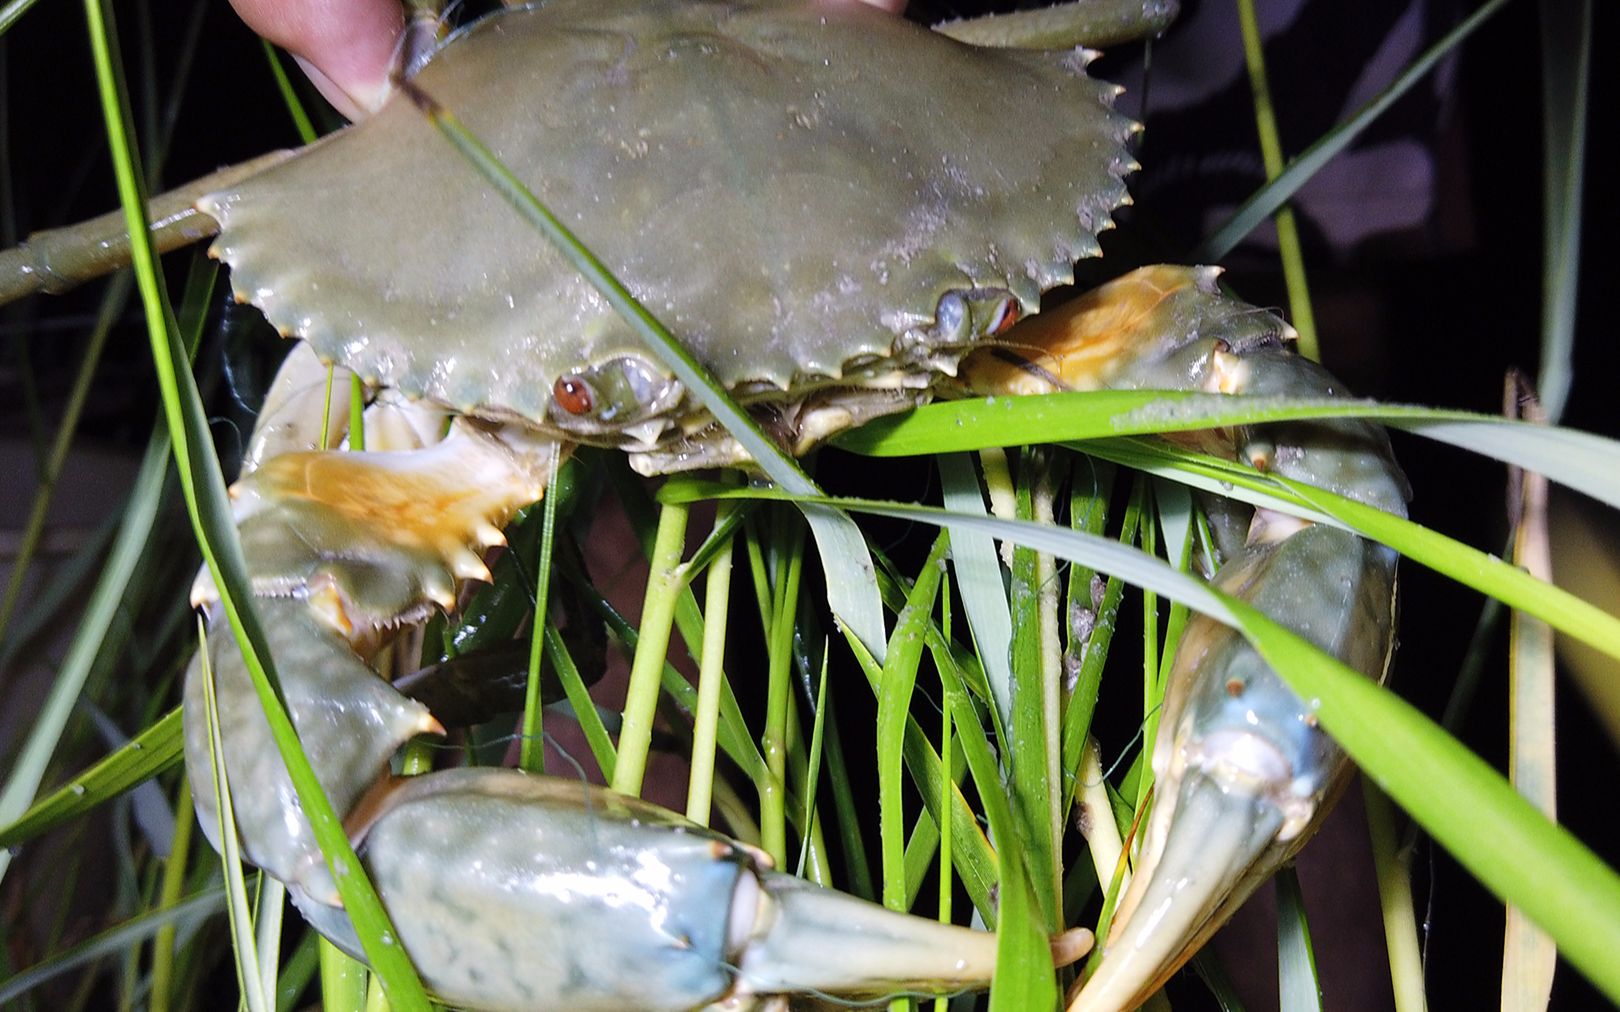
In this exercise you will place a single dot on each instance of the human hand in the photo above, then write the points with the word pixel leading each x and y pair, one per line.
pixel 347 47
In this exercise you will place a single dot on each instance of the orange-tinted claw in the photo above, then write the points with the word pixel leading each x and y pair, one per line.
pixel 382 535
pixel 1086 343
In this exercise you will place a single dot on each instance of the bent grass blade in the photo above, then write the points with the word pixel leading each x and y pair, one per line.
pixel 206 502
pixel 851 584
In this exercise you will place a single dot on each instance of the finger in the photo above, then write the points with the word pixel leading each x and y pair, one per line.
pixel 345 46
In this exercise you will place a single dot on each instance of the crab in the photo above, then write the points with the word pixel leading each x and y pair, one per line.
pixel 832 244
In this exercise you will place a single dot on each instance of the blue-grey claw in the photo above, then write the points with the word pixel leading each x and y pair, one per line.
pixel 513 891
pixel 1244 774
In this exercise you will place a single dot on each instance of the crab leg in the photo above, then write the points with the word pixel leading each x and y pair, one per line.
pixel 57 259
pixel 1243 773
pixel 508 890
pixel 1093 23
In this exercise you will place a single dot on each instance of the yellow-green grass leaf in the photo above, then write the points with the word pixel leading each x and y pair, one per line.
pixel 1023 977
pixel 145 756
pixel 209 509
pixel 975 860
pixel 851 579
pixel 895 687
pixel 1578 460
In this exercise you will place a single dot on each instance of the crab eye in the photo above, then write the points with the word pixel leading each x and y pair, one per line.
pixel 573 395
pixel 1006 314
pixel 953 318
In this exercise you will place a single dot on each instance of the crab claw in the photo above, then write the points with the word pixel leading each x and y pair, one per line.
pixel 807 939
pixel 502 884
pixel 1244 773
pixel 1212 841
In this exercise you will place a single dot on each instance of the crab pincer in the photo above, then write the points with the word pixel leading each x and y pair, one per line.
pixel 1243 772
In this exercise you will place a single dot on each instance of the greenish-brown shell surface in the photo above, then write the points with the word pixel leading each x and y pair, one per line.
pixel 790 186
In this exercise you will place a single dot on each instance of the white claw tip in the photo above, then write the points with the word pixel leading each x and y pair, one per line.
pixel 468 566
pixel 1071 946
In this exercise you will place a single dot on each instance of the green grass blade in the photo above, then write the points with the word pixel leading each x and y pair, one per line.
pixel 149 753
pixel 269 912
pixel 590 722
pixel 1579 460
pixel 297 972
pixel 22 784
pixel 289 97
pixel 1566 72
pixel 244 943
pixel 818 735
pixel 1030 749
pixel 787 553
pixel 1401 938
pixel 1088 680
pixel 343 980
pixel 208 506
pixel 858 877
pixel 1276 193
pixel 171 887
pixel 531 747
pixel 947 775
pixel 1288 245
pixel 895 687
pixel 1298 989
pixel 716 618
pixel 975 861
pixel 980 581
pixel 664 585
pixel 1089 618
pixel 1024 978
pixel 851 580
pixel 187 913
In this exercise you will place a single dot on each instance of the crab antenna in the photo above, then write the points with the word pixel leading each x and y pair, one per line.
pixel 58 259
